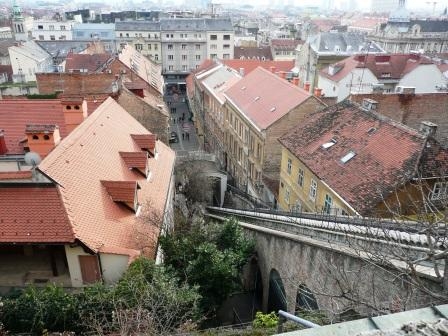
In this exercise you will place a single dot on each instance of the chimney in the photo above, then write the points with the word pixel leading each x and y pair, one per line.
pixel 318 92
pixel 273 69
pixel 306 86
pixel 3 148
pixel 42 138
pixel 75 111
pixel 242 72
pixel 296 81
pixel 282 74
pixel 428 128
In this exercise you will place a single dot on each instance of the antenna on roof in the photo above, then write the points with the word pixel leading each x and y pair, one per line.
pixel 32 159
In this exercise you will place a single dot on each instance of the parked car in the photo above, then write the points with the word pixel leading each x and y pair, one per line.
pixel 174 137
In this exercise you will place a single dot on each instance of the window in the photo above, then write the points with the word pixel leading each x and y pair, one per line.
pixel 198 57
pixel 313 190
pixel 170 68
pixel 149 36
pixel 127 34
pixel 170 47
pixel 62 27
pixel 213 37
pixel 287 195
pixel 52 37
pixel 156 57
pixel 170 57
pixel 328 204
pixel 350 155
pixel 184 46
pixel 51 27
pixel 62 37
pixel 184 57
pixel 300 177
pixel 213 46
pixel 184 68
pixel 41 37
pixel 156 47
pixel 40 27
pixel 168 35
pixel 226 46
pixel 198 47
pixel 121 34
pixel 226 56
pixel 139 46
pixel 439 191
pixel 213 56
pixel 149 47
pixel 289 167
pixel 226 37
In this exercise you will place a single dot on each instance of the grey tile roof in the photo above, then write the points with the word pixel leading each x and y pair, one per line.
pixel 137 25
pixel 347 42
pixel 427 26
pixel 62 48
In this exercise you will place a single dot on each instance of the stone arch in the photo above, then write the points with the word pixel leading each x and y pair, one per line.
pixel 277 295
pixel 305 299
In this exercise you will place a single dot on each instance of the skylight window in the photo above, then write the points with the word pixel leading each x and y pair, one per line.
pixel 371 130
pixel 273 109
pixel 350 155
pixel 327 145
pixel 257 98
pixel 243 88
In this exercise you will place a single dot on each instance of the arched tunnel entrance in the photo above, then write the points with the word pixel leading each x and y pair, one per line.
pixel 277 294
pixel 305 299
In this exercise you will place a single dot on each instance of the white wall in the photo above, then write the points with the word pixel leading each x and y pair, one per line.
pixel 72 254
pixel 424 78
pixel 53 30
pixel 220 51
pixel 113 266
pixel 358 80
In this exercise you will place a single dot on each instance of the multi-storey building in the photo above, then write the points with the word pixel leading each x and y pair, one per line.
pixel 360 163
pixel 94 31
pixel 181 45
pixel 143 35
pixel 51 30
pixel 401 34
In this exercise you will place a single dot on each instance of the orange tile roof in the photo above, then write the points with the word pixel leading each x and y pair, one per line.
pixel 91 154
pixel 85 61
pixel 135 159
pixel 145 141
pixel 264 97
pixel 25 112
pixel 33 215
pixel 121 191
pixel 251 65
pixel 387 154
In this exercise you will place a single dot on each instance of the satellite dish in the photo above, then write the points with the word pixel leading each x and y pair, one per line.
pixel 32 158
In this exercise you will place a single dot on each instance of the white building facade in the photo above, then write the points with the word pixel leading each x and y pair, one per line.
pixel 51 30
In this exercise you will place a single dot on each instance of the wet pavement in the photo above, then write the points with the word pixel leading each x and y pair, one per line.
pixel 181 123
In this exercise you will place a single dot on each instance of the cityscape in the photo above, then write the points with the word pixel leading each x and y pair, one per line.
pixel 204 168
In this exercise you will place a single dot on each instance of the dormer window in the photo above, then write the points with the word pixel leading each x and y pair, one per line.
pixel 136 161
pixel 146 142
pixel 124 192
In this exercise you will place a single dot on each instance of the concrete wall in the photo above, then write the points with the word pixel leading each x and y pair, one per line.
pixel 52 30
pixel 327 273
pixel 224 48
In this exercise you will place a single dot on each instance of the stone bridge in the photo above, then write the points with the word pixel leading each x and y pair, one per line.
pixel 333 265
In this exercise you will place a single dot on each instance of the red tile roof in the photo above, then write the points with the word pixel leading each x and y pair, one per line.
pixel 91 154
pixel 387 154
pixel 390 66
pixel 33 215
pixel 28 111
pixel 251 65
pixel 257 53
pixel 264 97
pixel 121 191
pixel 145 141
pixel 137 160
pixel 91 63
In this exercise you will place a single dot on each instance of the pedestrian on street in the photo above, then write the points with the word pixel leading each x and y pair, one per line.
pixel 188 136
pixel 183 115
pixel 179 120
pixel 174 120
pixel 183 135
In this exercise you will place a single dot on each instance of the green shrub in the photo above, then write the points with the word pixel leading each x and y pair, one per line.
pixel 265 320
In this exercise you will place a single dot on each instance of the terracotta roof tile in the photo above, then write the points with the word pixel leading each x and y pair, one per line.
pixel 265 97
pixel 387 153
pixel 25 112
pixel 91 154
pixel 145 141
pixel 91 63
pixel 121 191
pixel 251 65
pixel 285 44
pixel 41 219
pixel 137 160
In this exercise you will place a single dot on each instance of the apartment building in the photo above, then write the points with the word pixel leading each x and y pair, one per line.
pixel 52 30
pixel 180 45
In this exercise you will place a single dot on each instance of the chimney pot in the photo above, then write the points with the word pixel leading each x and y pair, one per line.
pixel 307 86
pixel 428 128
pixel 273 69
pixel 282 74
pixel 242 72
pixel 296 81
pixel 318 92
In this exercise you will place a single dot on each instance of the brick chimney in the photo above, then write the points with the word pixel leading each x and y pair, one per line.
pixel 318 92
pixel 307 86
pixel 273 68
pixel 75 111
pixel 296 81
pixel 3 148
pixel 42 138
pixel 282 74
